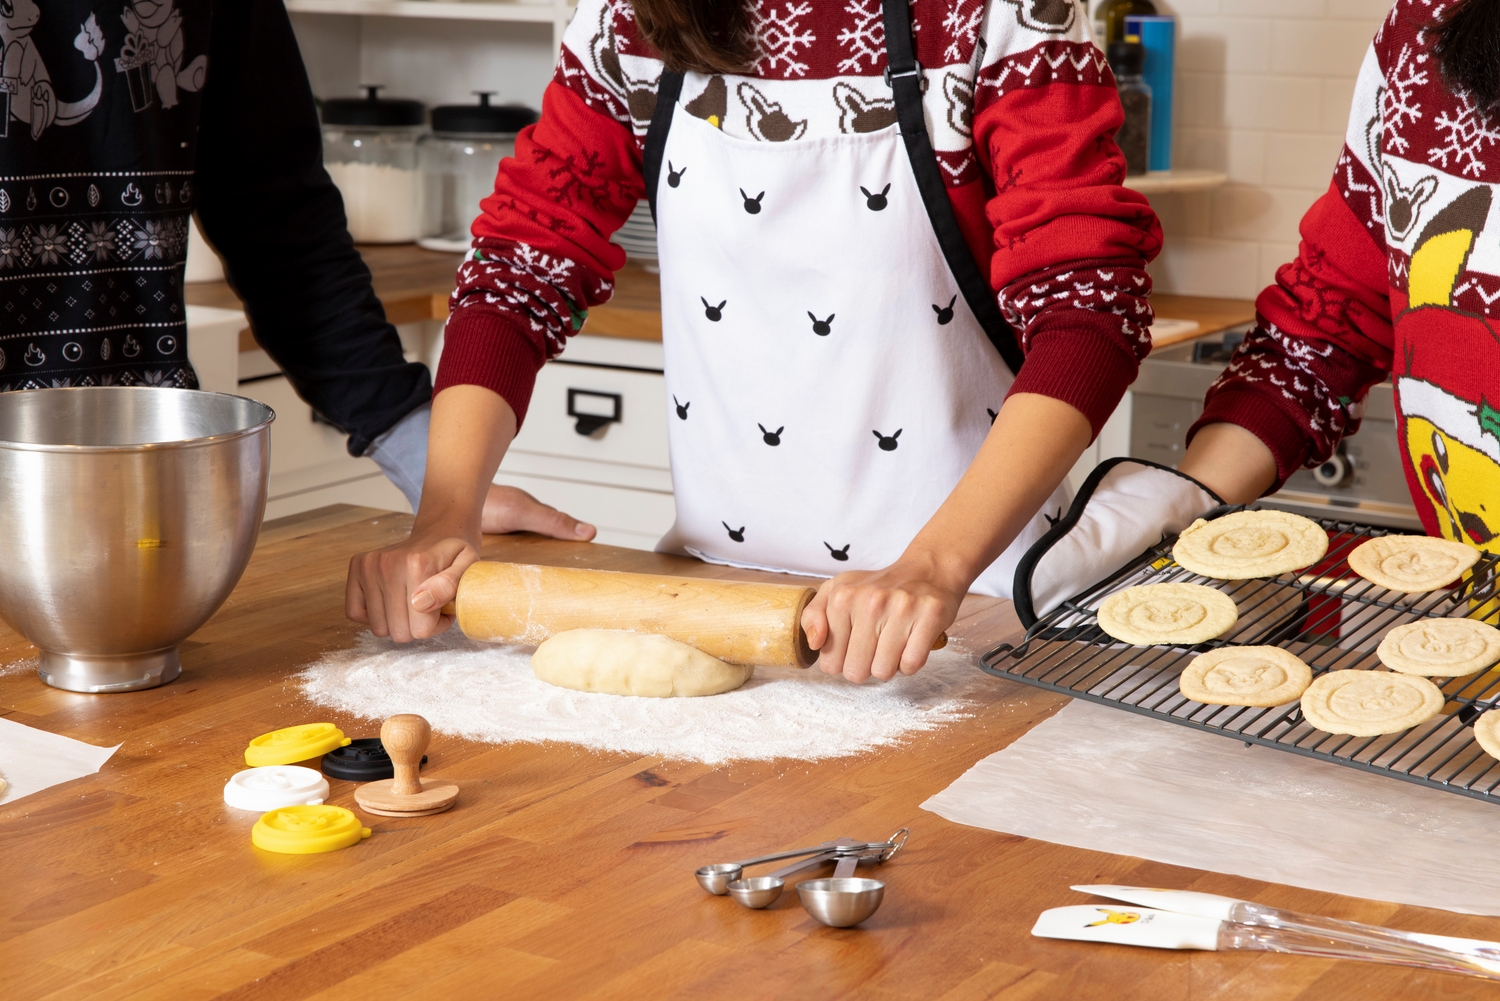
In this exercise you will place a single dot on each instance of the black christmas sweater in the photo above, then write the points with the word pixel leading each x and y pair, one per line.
pixel 118 120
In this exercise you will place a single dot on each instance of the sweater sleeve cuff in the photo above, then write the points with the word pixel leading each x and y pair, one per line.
pixel 1077 357
pixel 1262 418
pixel 490 350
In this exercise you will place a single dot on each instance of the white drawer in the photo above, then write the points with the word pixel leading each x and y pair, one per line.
pixel 631 518
pixel 297 441
pixel 638 438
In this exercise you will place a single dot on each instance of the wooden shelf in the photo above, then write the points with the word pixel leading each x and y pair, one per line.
pixel 533 13
pixel 1164 181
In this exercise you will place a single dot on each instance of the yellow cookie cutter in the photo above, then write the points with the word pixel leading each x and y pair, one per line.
pixel 294 743
pixel 307 830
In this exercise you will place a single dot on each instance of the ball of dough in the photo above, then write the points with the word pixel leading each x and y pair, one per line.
pixel 619 662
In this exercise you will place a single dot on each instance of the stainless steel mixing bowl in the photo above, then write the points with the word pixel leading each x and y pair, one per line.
pixel 127 515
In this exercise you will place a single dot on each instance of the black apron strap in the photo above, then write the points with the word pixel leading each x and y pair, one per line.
pixel 667 92
pixel 904 75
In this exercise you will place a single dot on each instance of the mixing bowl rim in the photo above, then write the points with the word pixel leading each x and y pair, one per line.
pixel 145 446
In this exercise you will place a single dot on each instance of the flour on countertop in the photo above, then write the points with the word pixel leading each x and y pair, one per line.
pixel 487 692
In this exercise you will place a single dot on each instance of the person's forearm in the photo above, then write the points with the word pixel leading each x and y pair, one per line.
pixel 1035 440
pixel 1230 461
pixel 471 429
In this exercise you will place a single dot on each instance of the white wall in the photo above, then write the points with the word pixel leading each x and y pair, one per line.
pixel 433 61
pixel 1262 92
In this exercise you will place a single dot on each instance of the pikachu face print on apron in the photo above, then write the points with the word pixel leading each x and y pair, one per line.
pixel 833 353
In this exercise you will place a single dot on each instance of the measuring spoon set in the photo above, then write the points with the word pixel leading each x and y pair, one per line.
pixel 839 902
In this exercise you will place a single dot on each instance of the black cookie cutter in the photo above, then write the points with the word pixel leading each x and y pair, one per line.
pixel 361 760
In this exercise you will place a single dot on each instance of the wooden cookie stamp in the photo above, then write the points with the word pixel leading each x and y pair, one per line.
pixel 405 739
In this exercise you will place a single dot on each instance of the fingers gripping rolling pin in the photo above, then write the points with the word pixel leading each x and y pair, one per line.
pixel 735 621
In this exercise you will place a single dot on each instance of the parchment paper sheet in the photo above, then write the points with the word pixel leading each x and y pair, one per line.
pixel 1099 778
pixel 32 760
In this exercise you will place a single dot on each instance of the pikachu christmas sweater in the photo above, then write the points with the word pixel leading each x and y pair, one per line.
pixel 1398 275
pixel 1022 111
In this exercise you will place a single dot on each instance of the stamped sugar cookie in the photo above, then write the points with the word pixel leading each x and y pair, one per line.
pixel 1411 562
pixel 1245 676
pixel 1250 544
pixel 1487 732
pixel 1368 703
pixel 1446 648
pixel 1167 613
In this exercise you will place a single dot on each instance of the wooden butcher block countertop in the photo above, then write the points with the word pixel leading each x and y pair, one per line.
pixel 413 284
pixel 562 872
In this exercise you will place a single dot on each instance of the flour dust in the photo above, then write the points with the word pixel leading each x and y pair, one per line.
pixel 488 693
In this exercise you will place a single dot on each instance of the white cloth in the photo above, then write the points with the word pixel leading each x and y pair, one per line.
pixel 829 385
pixel 1107 780
pixel 401 453
pixel 32 760
pixel 1134 506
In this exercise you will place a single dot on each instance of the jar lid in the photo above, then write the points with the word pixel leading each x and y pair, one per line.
pixel 372 110
pixel 307 830
pixel 273 786
pixel 1128 57
pixel 294 743
pixel 362 760
pixel 482 118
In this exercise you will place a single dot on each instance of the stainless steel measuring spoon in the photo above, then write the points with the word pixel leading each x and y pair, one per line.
pixel 840 901
pixel 717 877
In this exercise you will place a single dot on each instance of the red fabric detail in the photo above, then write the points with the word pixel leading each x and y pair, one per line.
pixel 1361 193
pixel 1057 174
pixel 1047 63
pixel 1078 356
pixel 492 349
pixel 1422 120
pixel 1322 339
pixel 1083 334
pixel 1257 413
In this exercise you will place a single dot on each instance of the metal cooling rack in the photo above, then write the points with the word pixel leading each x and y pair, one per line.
pixel 1327 615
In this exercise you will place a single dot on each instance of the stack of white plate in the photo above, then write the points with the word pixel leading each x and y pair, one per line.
pixel 638 236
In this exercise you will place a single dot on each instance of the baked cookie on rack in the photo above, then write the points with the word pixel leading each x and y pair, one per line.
pixel 1369 703
pixel 1411 563
pixel 1444 648
pixel 1245 676
pixel 1487 732
pixel 1179 614
pixel 1250 544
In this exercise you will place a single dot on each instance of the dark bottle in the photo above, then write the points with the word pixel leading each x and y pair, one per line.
pixel 1126 59
pixel 1110 15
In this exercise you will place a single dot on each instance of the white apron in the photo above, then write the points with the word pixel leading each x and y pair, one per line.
pixel 827 383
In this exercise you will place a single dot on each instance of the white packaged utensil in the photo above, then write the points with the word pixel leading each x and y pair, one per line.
pixel 1214 923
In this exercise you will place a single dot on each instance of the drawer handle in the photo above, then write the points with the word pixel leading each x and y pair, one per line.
pixel 593 410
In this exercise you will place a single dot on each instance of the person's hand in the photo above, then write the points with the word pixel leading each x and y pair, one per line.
pixel 878 622
pixel 400 591
pixel 507 509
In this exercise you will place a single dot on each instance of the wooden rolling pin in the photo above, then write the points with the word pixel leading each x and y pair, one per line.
pixel 737 622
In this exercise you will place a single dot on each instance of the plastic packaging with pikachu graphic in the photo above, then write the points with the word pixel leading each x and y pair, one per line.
pixel 1448 421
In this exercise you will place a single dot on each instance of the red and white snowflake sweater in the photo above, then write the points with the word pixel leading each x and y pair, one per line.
pixel 1022 111
pixel 1398 275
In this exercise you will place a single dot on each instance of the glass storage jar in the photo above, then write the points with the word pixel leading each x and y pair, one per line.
pixel 370 150
pixel 459 159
